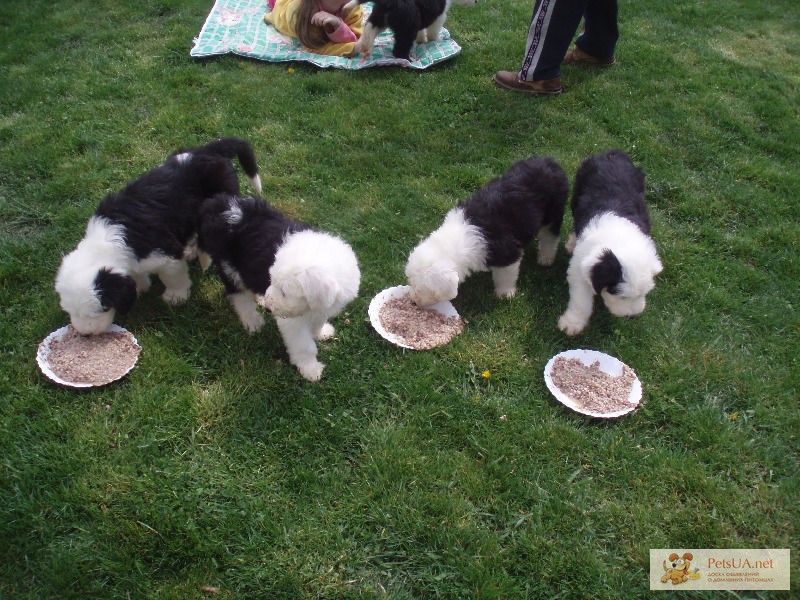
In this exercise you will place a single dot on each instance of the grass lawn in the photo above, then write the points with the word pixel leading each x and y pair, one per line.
pixel 403 474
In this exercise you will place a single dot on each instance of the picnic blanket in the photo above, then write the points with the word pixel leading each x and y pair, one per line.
pixel 238 27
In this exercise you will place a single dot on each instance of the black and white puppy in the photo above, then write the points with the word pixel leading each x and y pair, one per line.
pixel 410 20
pixel 490 231
pixel 148 227
pixel 612 252
pixel 304 277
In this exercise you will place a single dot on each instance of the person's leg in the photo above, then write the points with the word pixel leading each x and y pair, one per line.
pixel 552 27
pixel 597 41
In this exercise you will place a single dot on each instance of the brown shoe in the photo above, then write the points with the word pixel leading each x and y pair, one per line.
pixel 509 80
pixel 576 56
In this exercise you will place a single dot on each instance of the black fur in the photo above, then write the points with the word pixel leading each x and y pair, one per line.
pixel 511 209
pixel 158 211
pixel 606 273
pixel 229 147
pixel 405 18
pixel 248 245
pixel 115 291
pixel 609 182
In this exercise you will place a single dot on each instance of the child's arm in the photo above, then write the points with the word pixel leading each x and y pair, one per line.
pixel 335 28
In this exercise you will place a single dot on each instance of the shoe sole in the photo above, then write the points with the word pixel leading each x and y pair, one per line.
pixel 511 88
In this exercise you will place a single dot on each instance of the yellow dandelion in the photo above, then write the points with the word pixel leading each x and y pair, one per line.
pixel 486 375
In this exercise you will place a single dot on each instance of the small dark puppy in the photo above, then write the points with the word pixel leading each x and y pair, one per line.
pixel 612 252
pixel 240 236
pixel 147 227
pixel 410 20
pixel 490 231
pixel 304 277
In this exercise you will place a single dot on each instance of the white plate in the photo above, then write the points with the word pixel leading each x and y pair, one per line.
pixel 43 352
pixel 444 308
pixel 608 364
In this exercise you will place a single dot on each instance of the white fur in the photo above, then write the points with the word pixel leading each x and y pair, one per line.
pixel 547 248
pixel 446 258
pixel 636 253
pixel 314 276
pixel 173 273
pixel 233 215
pixel 255 181
pixel 244 305
pixel 366 42
pixel 103 247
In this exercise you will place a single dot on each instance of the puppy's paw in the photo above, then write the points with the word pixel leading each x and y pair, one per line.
pixel 253 322
pixel 326 332
pixel 360 49
pixel 422 36
pixel 312 371
pixel 205 260
pixel 190 252
pixel 176 295
pixel 571 324
pixel 507 292
pixel 569 245
pixel 142 283
pixel 547 255
pixel 363 48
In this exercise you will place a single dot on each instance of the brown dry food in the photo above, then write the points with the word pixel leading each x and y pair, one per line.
pixel 93 359
pixel 420 328
pixel 591 388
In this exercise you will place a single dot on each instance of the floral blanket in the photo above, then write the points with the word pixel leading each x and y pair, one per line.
pixel 238 27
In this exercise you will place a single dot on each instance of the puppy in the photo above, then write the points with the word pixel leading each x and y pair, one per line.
pixel 612 252
pixel 678 569
pixel 489 232
pixel 147 227
pixel 410 20
pixel 303 277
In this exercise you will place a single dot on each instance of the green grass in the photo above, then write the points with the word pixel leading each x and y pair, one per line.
pixel 403 474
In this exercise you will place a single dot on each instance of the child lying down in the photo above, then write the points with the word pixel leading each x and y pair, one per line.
pixel 321 26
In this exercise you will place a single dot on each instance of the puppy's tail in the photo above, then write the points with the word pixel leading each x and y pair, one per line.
pixel 231 147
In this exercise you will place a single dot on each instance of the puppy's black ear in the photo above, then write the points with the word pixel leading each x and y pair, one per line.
pixel 115 291
pixel 606 273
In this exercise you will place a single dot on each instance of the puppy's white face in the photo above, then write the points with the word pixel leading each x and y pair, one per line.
pixel 80 299
pixel 432 278
pixel 628 297
pixel 89 318
pixel 285 299
pixel 623 306
pixel 93 282
pixel 437 283
pixel 293 293
pixel 312 272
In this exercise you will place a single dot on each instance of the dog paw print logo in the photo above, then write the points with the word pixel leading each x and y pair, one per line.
pixel 677 569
